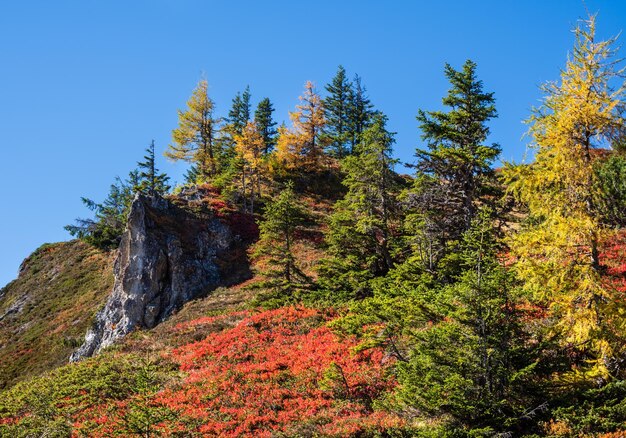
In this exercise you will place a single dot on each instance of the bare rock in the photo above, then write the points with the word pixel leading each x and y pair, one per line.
pixel 168 256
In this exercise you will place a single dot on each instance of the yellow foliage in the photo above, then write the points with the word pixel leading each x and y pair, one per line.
pixel 287 150
pixel 557 428
pixel 304 145
pixel 194 139
pixel 249 146
pixel 557 255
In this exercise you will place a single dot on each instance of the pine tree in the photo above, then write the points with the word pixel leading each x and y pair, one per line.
pixel 304 146
pixel 284 281
pixel 337 110
pixel 265 124
pixel 362 229
pixel 151 181
pixel 360 112
pixel 195 138
pixel 454 174
pixel 558 251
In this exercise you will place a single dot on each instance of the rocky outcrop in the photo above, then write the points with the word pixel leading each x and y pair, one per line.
pixel 170 254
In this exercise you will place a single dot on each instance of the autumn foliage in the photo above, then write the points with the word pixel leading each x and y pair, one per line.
pixel 281 371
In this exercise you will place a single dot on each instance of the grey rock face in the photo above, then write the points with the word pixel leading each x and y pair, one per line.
pixel 167 257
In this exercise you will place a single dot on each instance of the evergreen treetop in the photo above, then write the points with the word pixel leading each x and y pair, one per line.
pixel 454 175
pixel 151 181
pixel 265 124
pixel 239 113
pixel 363 228
pixel 338 108
pixel 284 280
pixel 361 111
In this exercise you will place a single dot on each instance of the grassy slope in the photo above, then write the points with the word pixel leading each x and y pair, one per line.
pixel 72 399
pixel 45 312
pixel 236 373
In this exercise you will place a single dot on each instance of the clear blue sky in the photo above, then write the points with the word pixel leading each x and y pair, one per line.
pixel 85 85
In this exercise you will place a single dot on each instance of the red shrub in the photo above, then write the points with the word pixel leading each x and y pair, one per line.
pixel 276 372
pixel 243 225
pixel 613 258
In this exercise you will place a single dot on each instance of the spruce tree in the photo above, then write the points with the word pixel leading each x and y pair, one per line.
pixel 467 356
pixel 195 138
pixel 238 117
pixel 239 113
pixel 360 112
pixel 106 228
pixel 610 190
pixel 283 279
pixel 363 228
pixel 192 175
pixel 337 109
pixel 234 114
pixel 245 104
pixel 265 124
pixel 151 181
pixel 454 175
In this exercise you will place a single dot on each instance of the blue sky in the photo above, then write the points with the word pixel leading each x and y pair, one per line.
pixel 85 85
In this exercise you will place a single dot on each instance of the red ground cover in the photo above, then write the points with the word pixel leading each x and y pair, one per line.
pixel 280 371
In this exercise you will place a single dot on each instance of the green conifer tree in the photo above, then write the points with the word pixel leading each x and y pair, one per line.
pixel 363 228
pixel 468 352
pixel 239 114
pixel 265 124
pixel 106 228
pixel 361 111
pixel 151 181
pixel 454 175
pixel 337 108
pixel 192 175
pixel 284 281
pixel 238 118
pixel 610 190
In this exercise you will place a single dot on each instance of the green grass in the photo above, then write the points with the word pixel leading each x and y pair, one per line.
pixel 61 286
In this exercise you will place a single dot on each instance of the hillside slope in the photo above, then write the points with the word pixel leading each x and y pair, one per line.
pixel 233 374
pixel 44 312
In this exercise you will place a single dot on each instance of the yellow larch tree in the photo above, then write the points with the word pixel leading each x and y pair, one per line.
pixel 194 140
pixel 286 155
pixel 249 146
pixel 304 145
pixel 557 252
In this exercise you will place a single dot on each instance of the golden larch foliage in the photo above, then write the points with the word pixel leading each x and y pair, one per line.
pixel 304 144
pixel 249 146
pixel 557 253
pixel 194 139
